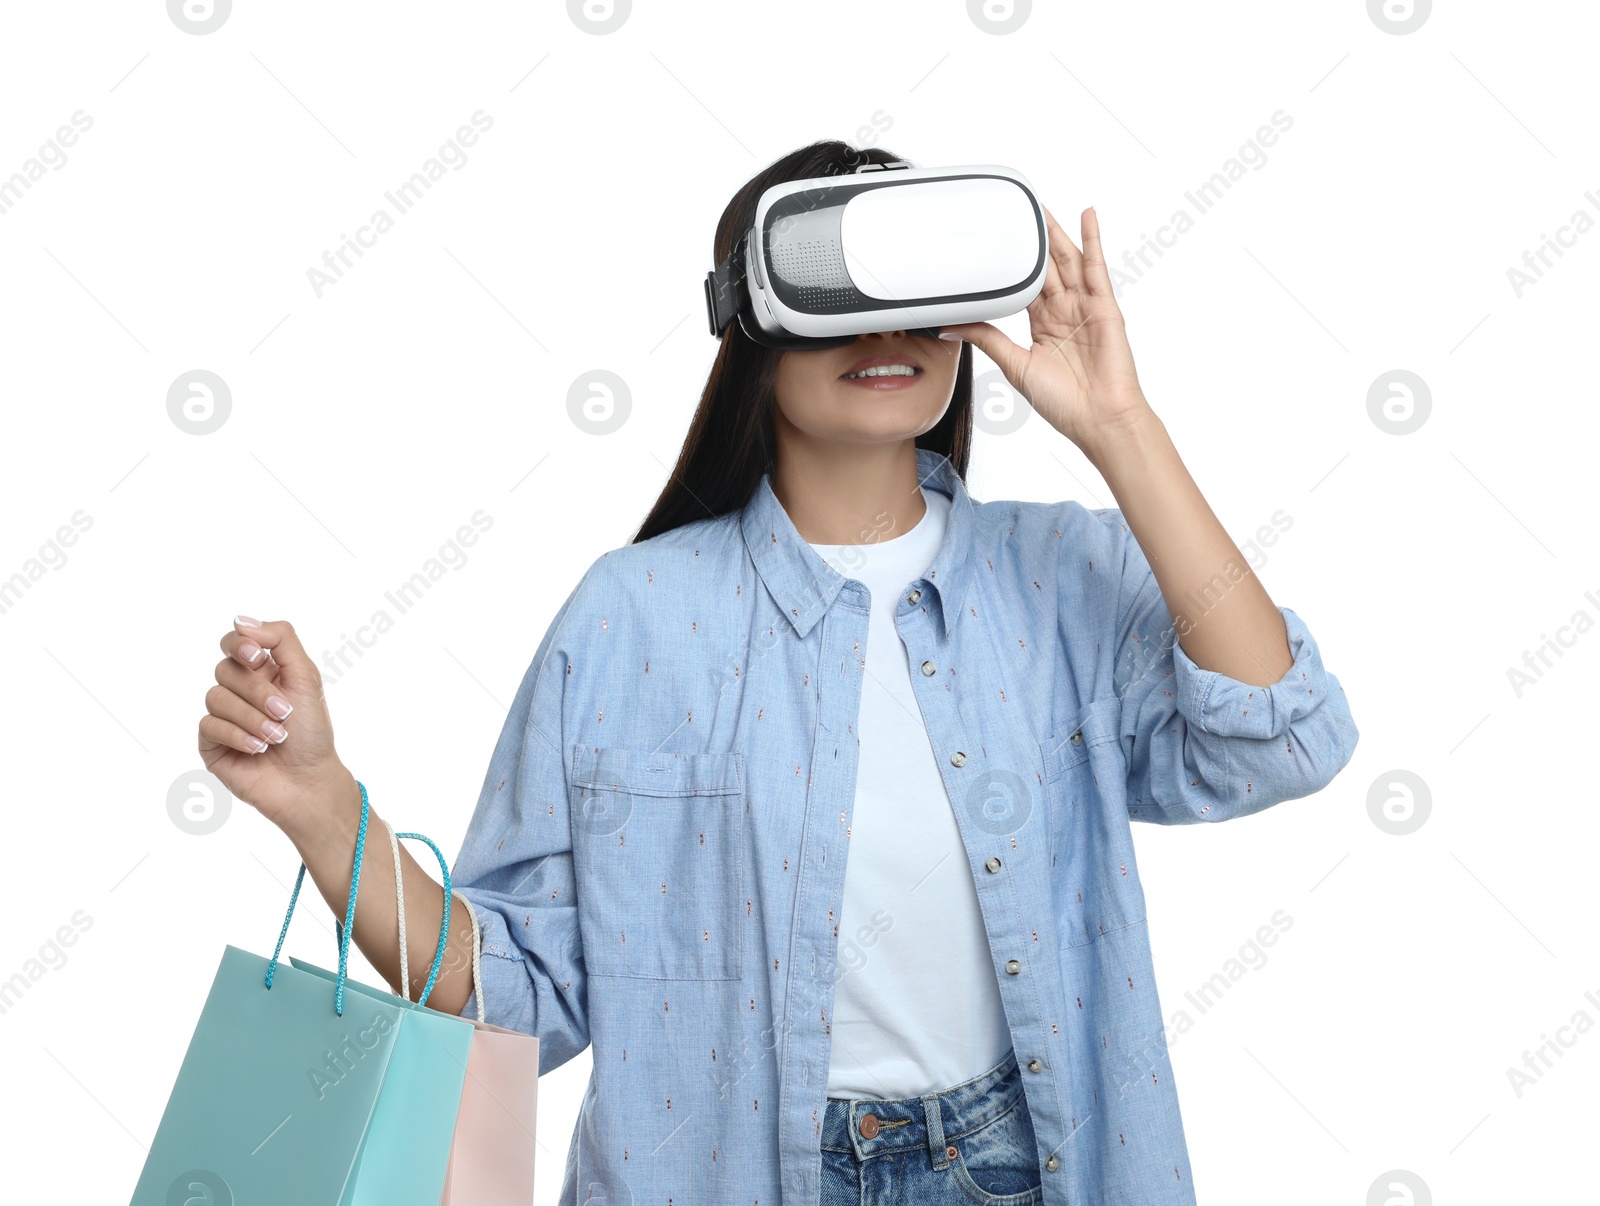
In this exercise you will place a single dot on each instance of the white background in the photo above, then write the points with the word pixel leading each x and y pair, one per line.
pixel 367 425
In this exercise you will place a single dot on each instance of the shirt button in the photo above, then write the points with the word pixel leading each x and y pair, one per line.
pixel 869 1125
pixel 1052 1164
pixel 928 667
pixel 1034 1065
pixel 1076 738
pixel 1012 967
pixel 993 865
pixel 913 596
pixel 958 758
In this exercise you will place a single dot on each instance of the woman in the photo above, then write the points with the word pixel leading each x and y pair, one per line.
pixel 818 642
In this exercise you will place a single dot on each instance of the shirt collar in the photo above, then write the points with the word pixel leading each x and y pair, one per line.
pixel 804 586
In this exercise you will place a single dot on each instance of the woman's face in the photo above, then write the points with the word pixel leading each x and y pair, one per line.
pixel 818 395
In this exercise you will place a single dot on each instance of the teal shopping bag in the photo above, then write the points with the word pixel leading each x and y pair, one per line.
pixel 301 1086
pixel 275 1096
pixel 407 1153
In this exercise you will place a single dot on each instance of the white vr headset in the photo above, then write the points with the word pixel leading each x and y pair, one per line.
pixel 889 247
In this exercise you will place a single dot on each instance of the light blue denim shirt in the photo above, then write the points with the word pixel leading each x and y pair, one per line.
pixel 657 857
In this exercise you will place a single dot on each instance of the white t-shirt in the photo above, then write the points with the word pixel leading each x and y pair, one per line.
pixel 916 1006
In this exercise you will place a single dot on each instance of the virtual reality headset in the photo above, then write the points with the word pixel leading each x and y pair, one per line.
pixel 888 247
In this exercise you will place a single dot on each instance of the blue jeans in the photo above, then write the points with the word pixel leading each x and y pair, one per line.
pixel 970 1143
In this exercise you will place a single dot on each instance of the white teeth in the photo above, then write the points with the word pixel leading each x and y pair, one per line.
pixel 884 370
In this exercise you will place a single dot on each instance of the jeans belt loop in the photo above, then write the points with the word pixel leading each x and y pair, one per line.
pixel 936 1144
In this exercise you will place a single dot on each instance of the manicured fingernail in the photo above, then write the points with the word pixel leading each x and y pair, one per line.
pixel 246 622
pixel 249 652
pixel 950 335
pixel 279 707
pixel 257 745
pixel 274 731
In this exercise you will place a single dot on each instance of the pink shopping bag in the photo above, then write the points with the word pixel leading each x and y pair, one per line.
pixel 492 1148
pixel 491 1156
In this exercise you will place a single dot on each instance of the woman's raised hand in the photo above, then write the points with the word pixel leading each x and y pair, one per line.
pixel 1078 373
pixel 267 734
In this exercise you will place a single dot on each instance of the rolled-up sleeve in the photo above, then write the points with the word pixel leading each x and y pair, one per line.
pixel 515 868
pixel 1202 746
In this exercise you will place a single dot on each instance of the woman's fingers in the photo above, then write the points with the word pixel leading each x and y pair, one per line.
pixel 1064 252
pixel 1095 275
pixel 282 659
pixel 246 651
pixel 217 733
pixel 250 704
pixel 1056 290
pixel 259 692
pixel 265 674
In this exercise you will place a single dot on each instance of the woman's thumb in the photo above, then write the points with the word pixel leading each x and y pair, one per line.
pixel 993 343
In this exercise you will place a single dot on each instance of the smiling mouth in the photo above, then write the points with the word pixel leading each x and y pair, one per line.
pixel 885 370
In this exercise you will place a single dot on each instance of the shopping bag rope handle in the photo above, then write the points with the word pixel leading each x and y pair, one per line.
pixel 349 912
pixel 400 912
pixel 444 922
pixel 477 949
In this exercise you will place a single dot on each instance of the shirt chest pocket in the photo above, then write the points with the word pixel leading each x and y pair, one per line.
pixel 1091 839
pixel 658 844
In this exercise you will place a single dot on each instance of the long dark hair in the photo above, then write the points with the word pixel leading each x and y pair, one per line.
pixel 731 440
